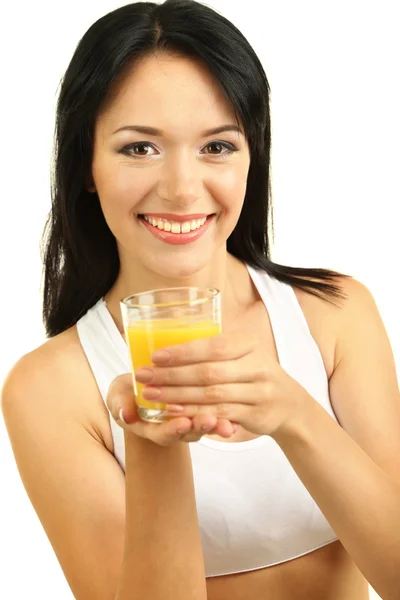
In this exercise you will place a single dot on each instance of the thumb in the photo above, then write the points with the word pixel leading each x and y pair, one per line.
pixel 121 399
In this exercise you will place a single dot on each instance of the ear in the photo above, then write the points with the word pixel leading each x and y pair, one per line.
pixel 90 186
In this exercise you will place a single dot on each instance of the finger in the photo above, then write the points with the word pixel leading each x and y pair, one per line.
pixel 234 413
pixel 204 423
pixel 191 432
pixel 121 395
pixel 162 434
pixel 121 384
pixel 168 432
pixel 196 432
pixel 226 428
pixel 210 424
pixel 243 393
pixel 203 373
pixel 190 437
pixel 218 347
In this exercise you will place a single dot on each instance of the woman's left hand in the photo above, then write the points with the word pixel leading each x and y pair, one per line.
pixel 228 376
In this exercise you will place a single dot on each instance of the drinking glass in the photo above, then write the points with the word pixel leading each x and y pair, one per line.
pixel 159 318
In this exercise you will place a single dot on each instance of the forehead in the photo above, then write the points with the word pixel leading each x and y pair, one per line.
pixel 167 91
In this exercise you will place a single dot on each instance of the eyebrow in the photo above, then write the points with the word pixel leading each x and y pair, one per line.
pixel 157 132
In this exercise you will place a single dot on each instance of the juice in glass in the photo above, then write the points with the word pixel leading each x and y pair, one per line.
pixel 186 314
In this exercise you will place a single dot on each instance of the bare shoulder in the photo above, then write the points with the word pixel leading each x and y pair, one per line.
pixel 59 366
pixel 325 320
pixel 75 485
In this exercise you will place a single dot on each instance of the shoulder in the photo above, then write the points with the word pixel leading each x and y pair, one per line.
pixel 48 363
pixel 346 285
pixel 326 320
pixel 357 301
pixel 356 293
pixel 55 377
pixel 358 305
pixel 360 314
pixel 353 292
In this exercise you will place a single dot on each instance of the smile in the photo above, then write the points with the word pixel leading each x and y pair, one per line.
pixel 174 226
pixel 173 232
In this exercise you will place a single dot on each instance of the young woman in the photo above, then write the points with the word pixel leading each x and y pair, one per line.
pixel 163 124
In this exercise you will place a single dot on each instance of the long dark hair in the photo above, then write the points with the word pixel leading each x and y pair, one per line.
pixel 79 252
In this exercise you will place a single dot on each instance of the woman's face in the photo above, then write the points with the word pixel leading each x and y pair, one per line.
pixel 179 169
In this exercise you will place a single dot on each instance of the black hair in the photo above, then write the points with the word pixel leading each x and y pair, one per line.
pixel 79 252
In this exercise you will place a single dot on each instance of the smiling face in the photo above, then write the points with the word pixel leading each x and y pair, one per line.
pixel 178 169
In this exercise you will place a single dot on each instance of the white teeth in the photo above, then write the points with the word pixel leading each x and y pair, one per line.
pixel 174 226
pixel 185 227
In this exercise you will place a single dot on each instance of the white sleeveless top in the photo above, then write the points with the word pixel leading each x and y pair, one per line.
pixel 253 510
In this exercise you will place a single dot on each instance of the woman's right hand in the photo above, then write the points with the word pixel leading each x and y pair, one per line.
pixel 121 395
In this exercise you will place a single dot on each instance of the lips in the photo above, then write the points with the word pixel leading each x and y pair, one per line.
pixel 177 218
pixel 177 238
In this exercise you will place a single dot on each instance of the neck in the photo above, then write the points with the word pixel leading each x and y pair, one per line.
pixel 228 275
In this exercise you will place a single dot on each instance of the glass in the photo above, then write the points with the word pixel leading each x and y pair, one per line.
pixel 160 318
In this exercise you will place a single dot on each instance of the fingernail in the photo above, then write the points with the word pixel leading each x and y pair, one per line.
pixel 174 408
pixel 144 375
pixel 161 356
pixel 151 392
pixel 235 428
pixel 206 428
pixel 121 416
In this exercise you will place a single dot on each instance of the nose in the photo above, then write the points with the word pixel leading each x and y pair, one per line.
pixel 181 181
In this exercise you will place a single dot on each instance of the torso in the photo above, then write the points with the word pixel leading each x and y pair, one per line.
pixel 327 573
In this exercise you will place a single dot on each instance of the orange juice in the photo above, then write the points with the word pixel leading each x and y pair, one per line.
pixel 145 337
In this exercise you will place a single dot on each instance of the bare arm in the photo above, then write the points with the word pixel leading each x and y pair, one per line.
pixel 115 537
pixel 353 470
pixel 163 555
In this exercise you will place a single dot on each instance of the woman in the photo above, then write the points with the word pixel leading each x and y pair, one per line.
pixel 163 123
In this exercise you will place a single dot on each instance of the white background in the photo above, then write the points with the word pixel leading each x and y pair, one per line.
pixel 333 70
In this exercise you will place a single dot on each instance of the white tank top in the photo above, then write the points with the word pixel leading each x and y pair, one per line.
pixel 253 510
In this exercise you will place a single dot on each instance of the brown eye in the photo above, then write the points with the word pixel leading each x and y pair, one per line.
pixel 138 149
pixel 218 147
pixel 141 148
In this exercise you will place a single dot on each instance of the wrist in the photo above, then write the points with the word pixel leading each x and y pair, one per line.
pixel 298 428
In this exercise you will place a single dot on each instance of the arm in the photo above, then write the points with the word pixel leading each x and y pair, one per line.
pixel 353 471
pixel 114 536
pixel 163 554
pixel 358 498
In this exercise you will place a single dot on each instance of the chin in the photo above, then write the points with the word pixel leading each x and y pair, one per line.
pixel 178 267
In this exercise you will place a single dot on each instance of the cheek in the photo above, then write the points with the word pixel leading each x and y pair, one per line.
pixel 131 187
pixel 122 189
pixel 229 188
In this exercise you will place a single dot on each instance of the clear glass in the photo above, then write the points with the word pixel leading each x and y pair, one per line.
pixel 160 318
